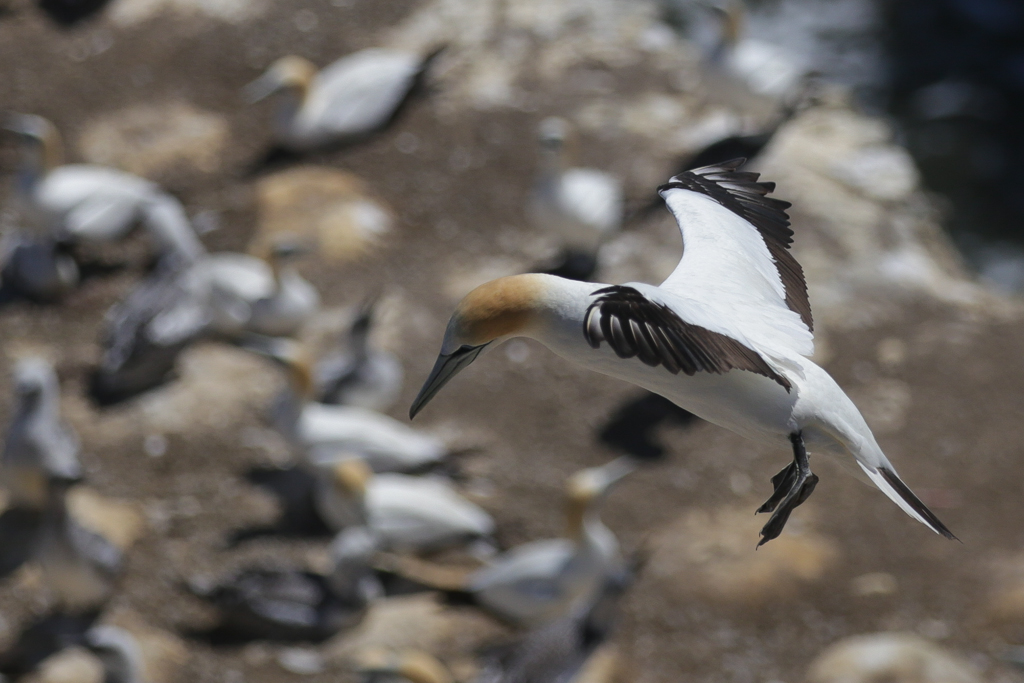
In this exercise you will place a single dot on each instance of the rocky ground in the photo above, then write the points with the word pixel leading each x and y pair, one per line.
pixel 935 362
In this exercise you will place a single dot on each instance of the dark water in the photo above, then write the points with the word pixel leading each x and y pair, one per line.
pixel 955 73
pixel 950 76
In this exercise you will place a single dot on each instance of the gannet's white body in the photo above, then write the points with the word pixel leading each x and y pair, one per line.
pixel 249 294
pixel 581 207
pixel 90 203
pixel 329 433
pixel 541 581
pixel 725 337
pixel 348 99
pixel 403 513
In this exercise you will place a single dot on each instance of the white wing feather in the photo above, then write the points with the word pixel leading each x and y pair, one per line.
pixel 726 267
pixel 358 93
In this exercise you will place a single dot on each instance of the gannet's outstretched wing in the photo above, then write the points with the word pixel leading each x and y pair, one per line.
pixel 737 276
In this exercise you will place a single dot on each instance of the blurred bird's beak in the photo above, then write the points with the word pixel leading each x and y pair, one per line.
pixel 446 367
pixel 16 123
pixel 617 469
pixel 263 87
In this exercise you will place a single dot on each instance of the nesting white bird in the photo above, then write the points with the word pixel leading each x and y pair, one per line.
pixel 226 294
pixel 90 203
pixel 540 581
pixel 328 433
pixel 80 566
pixel 39 446
pixel 581 207
pixel 727 336
pixel 354 96
pixel 404 513
pixel 565 650
pixel 359 373
pixel 261 295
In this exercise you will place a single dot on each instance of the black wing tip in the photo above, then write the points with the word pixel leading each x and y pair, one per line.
pixel 915 503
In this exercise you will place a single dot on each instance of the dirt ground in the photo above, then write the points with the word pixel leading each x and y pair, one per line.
pixel 956 439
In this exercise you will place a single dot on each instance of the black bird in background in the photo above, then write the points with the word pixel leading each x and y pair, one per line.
pixel 70 12
pixel 631 428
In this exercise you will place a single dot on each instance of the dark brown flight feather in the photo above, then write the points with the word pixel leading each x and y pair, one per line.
pixel 915 503
pixel 633 325
pixel 740 192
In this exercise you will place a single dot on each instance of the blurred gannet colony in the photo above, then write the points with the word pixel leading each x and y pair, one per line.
pixel 369 533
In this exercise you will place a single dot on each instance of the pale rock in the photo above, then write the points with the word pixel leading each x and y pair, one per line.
pixel 892 352
pixel 414 622
pixel 332 208
pixel 711 553
pixel 874 583
pixel 147 139
pixel 766 68
pixel 1005 604
pixel 867 237
pixel 890 657
pixel 119 521
pixel 886 173
pixel 127 13
pixel 72 665
pixel 302 661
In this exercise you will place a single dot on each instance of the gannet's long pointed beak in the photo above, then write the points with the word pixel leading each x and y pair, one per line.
pixel 446 367
pixel 263 87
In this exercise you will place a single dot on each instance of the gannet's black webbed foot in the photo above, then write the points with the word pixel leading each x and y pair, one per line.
pixel 793 485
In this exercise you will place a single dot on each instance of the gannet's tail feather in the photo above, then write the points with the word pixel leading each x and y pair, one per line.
pixel 890 484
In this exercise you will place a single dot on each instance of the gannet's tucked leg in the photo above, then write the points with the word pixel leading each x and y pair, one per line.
pixel 793 485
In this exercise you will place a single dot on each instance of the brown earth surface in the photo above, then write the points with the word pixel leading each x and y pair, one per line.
pixel 709 608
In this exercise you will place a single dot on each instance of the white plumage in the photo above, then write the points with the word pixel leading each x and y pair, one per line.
pixel 89 203
pixel 581 207
pixel 541 581
pixel 403 513
pixel 348 99
pixel 725 336
pixel 328 433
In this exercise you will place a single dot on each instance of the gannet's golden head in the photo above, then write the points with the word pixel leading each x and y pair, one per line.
pixel 587 486
pixel 352 476
pixel 493 312
pixel 413 666
pixel 39 135
pixel 732 15
pixel 287 73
